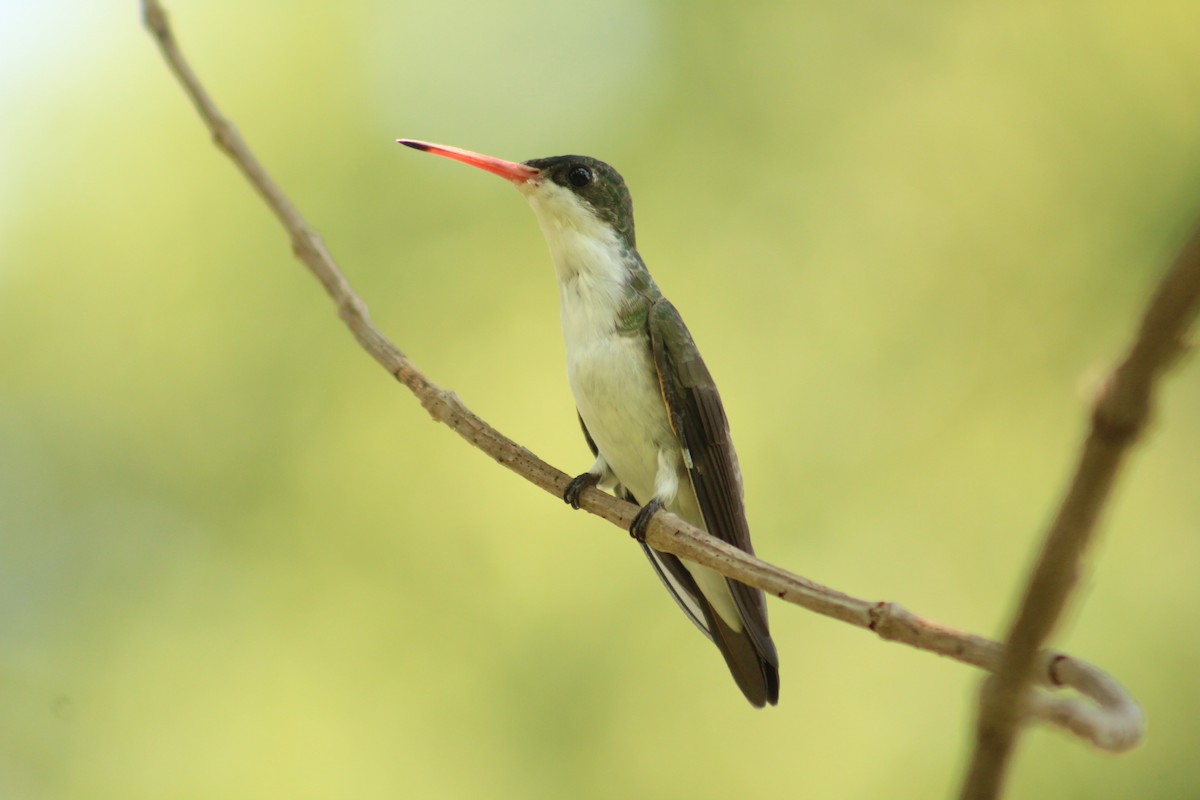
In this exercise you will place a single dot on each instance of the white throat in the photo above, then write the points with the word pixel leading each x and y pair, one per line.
pixel 589 259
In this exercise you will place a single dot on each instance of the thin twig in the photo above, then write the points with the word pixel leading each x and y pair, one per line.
pixel 1115 721
pixel 1119 415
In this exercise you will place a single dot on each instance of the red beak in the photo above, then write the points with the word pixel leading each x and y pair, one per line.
pixel 509 170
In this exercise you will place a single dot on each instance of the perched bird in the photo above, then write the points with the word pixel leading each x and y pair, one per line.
pixel 648 406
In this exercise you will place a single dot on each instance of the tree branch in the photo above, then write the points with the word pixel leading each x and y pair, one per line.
pixel 1119 415
pixel 1113 723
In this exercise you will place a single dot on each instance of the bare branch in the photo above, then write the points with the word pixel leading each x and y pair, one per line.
pixel 1119 415
pixel 1115 721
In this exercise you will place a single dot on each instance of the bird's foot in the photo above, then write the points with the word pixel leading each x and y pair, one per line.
pixel 638 529
pixel 576 487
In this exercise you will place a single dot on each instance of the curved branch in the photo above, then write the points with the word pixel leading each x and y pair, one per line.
pixel 1113 723
pixel 1120 414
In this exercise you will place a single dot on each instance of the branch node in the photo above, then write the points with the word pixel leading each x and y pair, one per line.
pixel 1052 676
pixel 1118 417
pixel 885 617
pixel 155 18
pixel 225 135
pixel 352 309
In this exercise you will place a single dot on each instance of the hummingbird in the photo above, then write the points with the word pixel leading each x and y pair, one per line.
pixel 648 406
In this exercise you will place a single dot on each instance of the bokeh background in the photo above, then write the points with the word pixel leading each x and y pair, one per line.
pixel 237 560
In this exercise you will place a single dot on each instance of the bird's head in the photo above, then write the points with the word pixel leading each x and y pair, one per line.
pixel 569 194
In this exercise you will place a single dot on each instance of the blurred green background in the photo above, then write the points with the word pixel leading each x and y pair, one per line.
pixel 237 560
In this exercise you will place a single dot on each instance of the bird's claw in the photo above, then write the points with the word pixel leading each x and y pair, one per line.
pixel 638 529
pixel 576 486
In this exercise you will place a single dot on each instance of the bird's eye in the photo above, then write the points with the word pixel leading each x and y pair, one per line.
pixel 579 177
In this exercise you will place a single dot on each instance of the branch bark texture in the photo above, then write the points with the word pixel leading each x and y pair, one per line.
pixel 1109 718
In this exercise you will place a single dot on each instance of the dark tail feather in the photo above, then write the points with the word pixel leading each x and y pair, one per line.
pixel 756 673
pixel 750 653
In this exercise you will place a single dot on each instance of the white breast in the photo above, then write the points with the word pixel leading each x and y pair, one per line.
pixel 612 380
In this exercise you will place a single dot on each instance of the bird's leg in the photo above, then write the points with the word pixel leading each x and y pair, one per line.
pixel 599 473
pixel 576 487
pixel 638 529
pixel 666 487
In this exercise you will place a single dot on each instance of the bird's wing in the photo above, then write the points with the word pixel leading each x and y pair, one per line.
pixel 698 419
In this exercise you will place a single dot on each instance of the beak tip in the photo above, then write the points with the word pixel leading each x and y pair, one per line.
pixel 509 170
